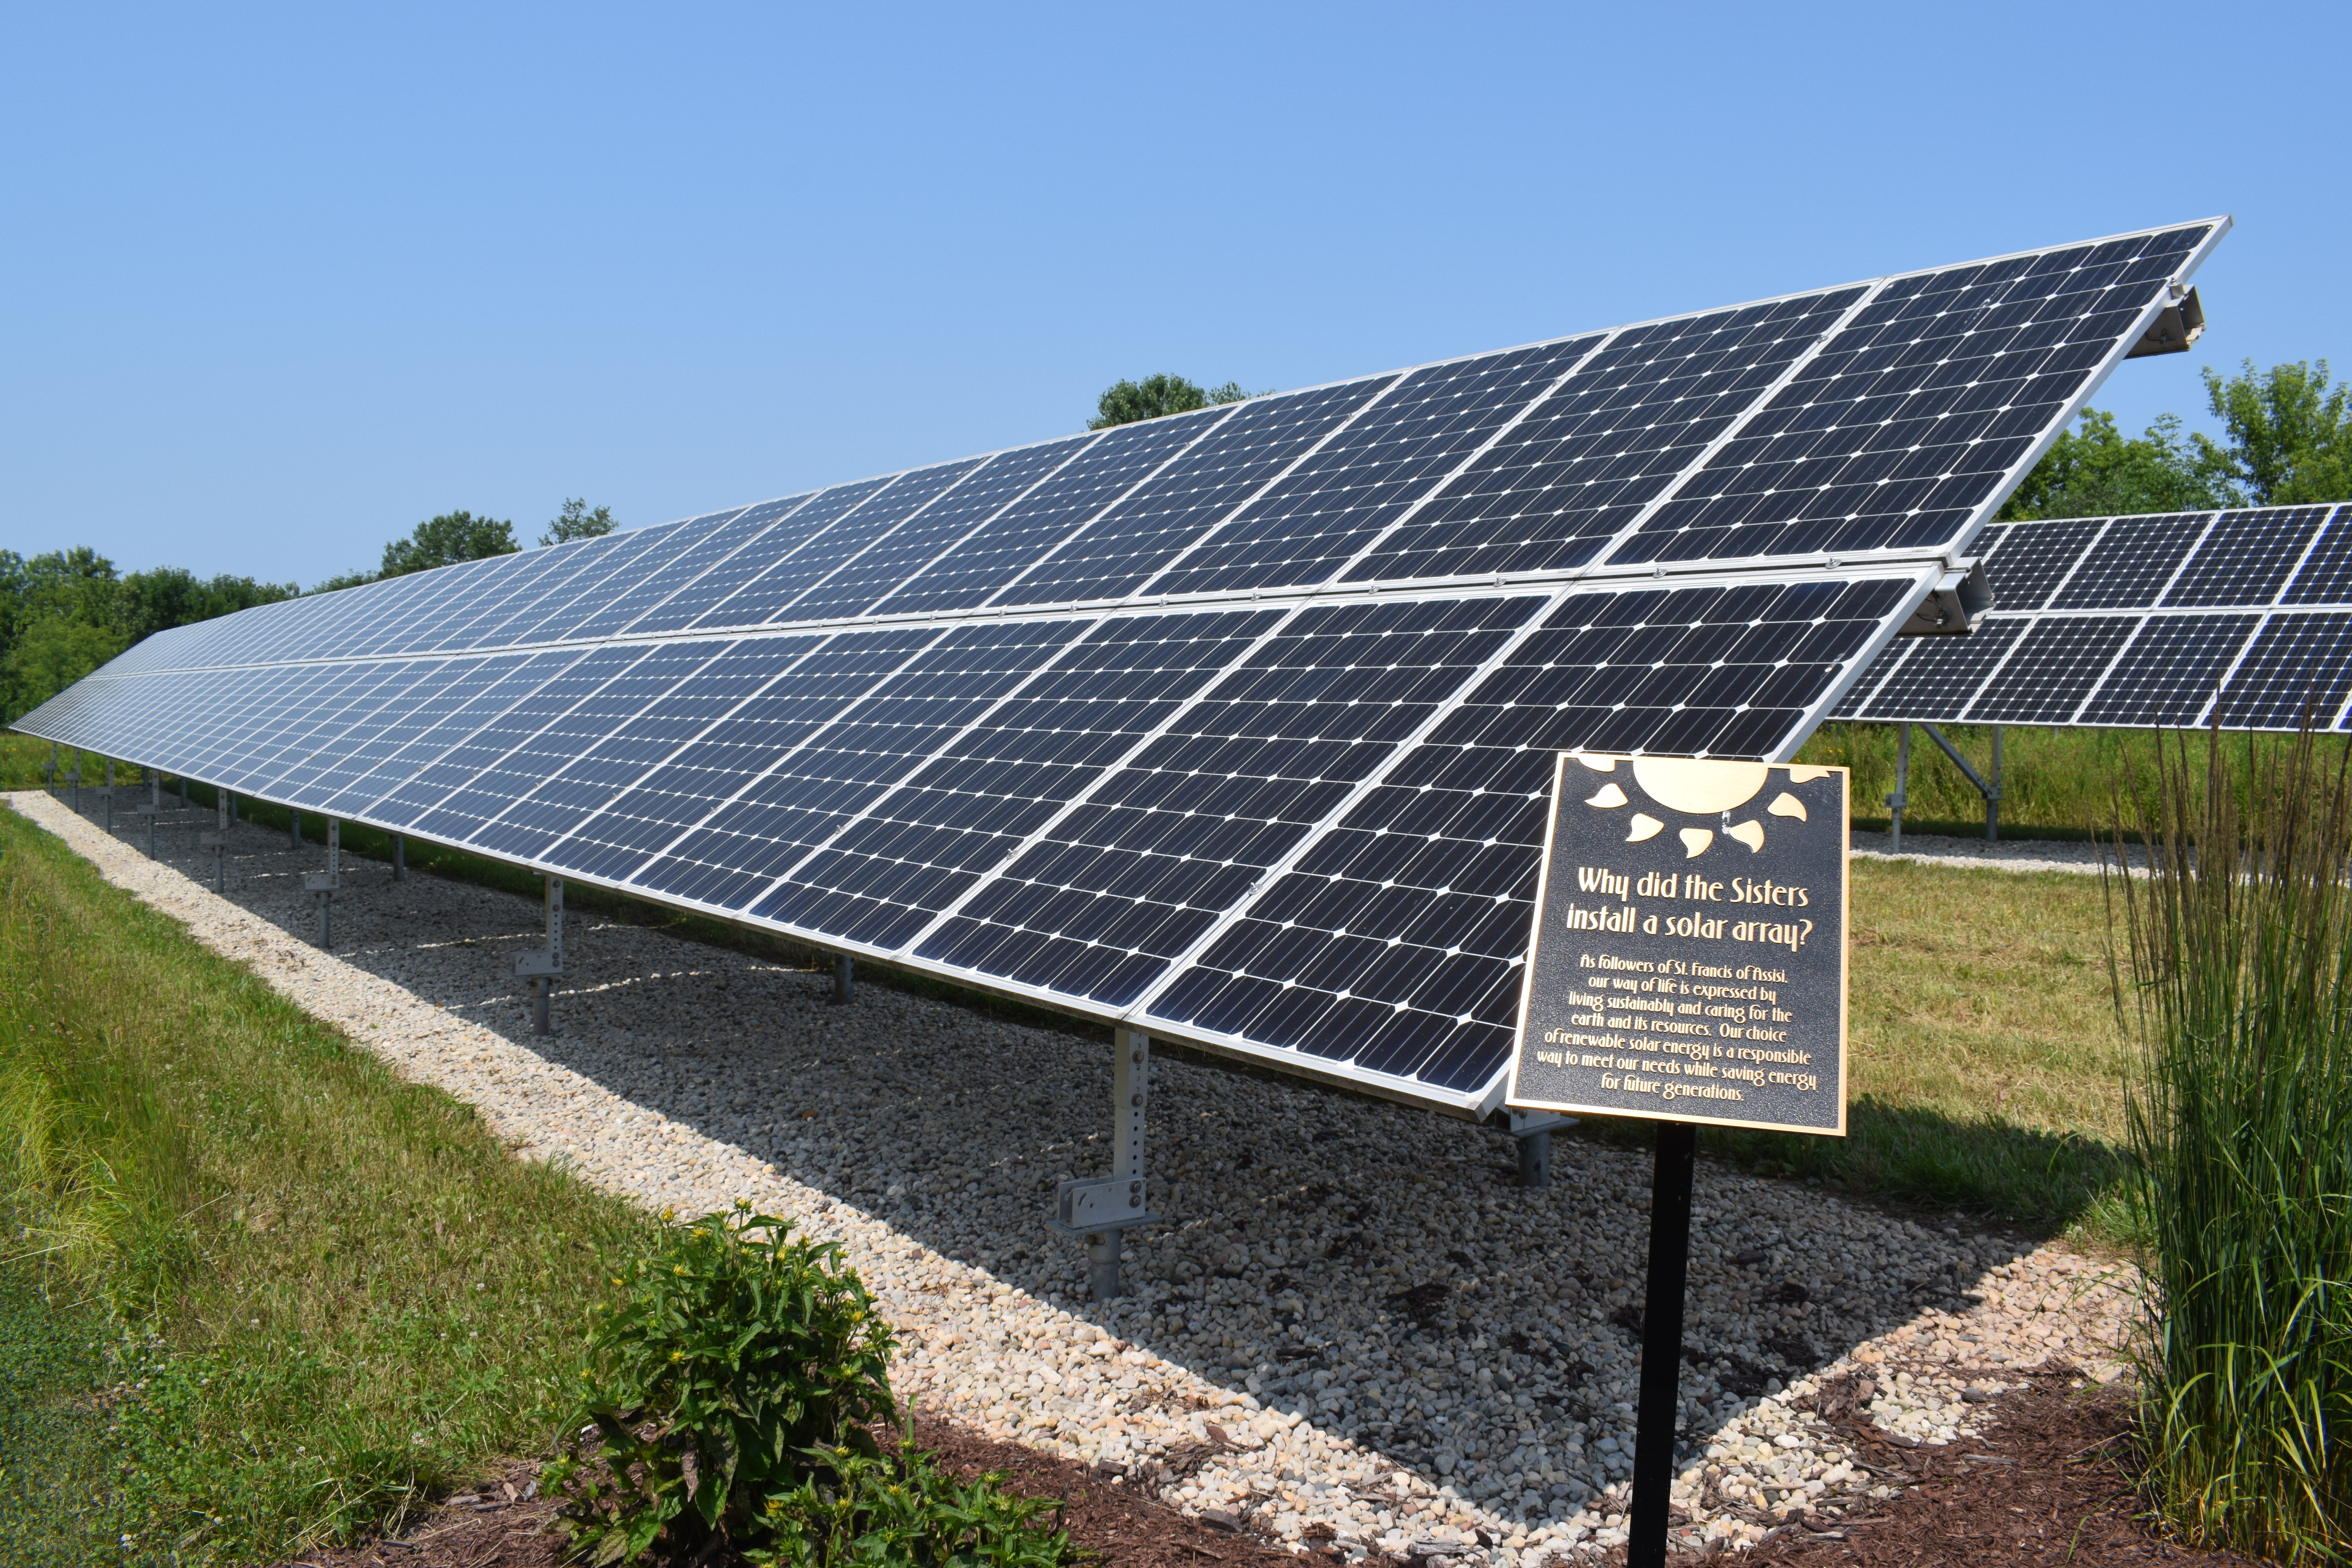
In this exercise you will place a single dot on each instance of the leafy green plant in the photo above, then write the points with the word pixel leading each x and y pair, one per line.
pixel 732 1397
pixel 2237 971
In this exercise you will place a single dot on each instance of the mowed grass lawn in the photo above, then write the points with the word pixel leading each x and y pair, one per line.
pixel 1985 1054
pixel 324 1292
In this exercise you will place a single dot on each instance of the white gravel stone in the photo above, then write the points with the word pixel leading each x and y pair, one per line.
pixel 1351 1317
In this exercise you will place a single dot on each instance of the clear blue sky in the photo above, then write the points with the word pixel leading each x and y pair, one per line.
pixel 280 282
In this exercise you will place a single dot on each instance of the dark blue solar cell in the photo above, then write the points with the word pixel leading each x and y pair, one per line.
pixel 785 573
pixel 772 818
pixel 690 550
pixel 1020 535
pixel 2247 557
pixel 1913 419
pixel 676 762
pixel 921 848
pixel 908 503
pixel 2298 670
pixel 2047 676
pixel 1311 522
pixel 1124 548
pixel 761 537
pixel 1579 467
pixel 1397 941
pixel 1170 841
pixel 857 584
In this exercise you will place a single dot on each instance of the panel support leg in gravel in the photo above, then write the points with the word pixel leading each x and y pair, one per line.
pixel 1895 802
pixel 151 808
pixel 844 975
pixel 74 778
pixel 217 840
pixel 400 856
pixel 327 885
pixel 1658 1411
pixel 108 795
pixel 1532 1131
pixel 293 827
pixel 1100 1211
pixel 540 971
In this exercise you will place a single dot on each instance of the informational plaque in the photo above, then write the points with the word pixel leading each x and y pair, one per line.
pixel 1688 962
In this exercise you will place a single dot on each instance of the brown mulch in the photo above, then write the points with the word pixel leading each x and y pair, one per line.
pixel 1118 1524
pixel 2045 1487
pixel 2045 1484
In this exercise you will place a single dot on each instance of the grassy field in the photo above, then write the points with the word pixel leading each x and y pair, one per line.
pixel 1985 1054
pixel 2054 783
pixel 334 1290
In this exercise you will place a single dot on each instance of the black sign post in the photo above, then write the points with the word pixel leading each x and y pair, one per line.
pixel 1688 967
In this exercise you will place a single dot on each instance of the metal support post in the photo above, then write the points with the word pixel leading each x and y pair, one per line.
pixel 1658 1408
pixel 1895 802
pixel 184 792
pixel 217 840
pixel 109 795
pixel 49 769
pixel 1102 1210
pixel 1532 1131
pixel 327 885
pixel 1991 792
pixel 293 827
pixel 74 778
pixel 1992 800
pixel 541 970
pixel 400 856
pixel 844 977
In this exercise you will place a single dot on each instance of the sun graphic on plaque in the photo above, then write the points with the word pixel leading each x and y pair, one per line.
pixel 1692 786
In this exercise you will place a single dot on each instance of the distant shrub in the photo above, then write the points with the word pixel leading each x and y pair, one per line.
pixel 729 1402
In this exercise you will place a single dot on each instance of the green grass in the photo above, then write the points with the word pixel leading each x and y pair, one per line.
pixel 52 1425
pixel 336 1291
pixel 2054 784
pixel 1986 1063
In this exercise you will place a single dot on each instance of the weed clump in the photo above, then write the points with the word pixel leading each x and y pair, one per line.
pixel 730 1400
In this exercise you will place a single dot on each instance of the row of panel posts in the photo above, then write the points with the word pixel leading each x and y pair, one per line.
pixel 1989 788
pixel 1098 1210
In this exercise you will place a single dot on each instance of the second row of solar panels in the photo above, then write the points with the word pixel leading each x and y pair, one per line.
pixel 1152 812
pixel 1875 416
pixel 2239 617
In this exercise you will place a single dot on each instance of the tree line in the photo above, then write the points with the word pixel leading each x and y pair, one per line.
pixel 63 613
pixel 2287 439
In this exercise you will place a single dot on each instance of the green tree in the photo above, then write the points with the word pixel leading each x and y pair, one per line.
pixel 2095 472
pixel 152 601
pixel 2289 434
pixel 576 522
pixel 443 541
pixel 1125 402
pixel 51 655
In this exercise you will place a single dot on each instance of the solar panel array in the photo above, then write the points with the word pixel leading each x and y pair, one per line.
pixel 1234 725
pixel 2187 618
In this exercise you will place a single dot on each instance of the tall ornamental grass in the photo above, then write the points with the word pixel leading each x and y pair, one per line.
pixel 2236 969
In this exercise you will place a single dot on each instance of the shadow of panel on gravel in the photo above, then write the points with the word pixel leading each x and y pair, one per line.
pixel 1375 1269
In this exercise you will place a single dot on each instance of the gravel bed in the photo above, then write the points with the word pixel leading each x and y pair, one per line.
pixel 1351 1317
pixel 2005 854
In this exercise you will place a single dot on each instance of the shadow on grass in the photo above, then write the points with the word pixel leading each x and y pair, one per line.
pixel 2026 1176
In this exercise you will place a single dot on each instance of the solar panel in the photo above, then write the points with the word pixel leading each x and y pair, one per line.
pixel 1234 725
pixel 2139 622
